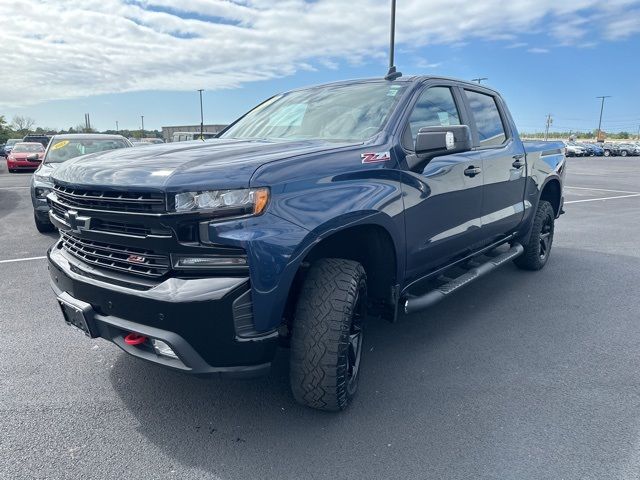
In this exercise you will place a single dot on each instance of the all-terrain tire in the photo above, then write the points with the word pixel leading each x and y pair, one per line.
pixel 325 356
pixel 537 251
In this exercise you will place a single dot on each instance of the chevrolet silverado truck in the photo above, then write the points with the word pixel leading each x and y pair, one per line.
pixel 316 210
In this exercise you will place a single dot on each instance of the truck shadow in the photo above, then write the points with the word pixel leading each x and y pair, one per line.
pixel 417 373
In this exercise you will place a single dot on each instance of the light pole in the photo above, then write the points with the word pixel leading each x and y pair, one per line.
pixel 601 110
pixel 479 79
pixel 142 132
pixel 200 90
pixel 117 129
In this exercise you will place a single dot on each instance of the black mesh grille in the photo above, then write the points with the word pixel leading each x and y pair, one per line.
pixel 115 257
pixel 139 202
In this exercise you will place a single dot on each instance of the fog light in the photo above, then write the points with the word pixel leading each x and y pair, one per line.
pixel 163 349
pixel 191 262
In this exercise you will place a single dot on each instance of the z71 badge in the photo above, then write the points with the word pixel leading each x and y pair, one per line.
pixel 375 157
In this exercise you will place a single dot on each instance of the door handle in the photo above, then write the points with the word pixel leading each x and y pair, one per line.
pixel 472 171
pixel 518 161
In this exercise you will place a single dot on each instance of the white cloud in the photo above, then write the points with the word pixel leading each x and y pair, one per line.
pixel 538 50
pixel 87 47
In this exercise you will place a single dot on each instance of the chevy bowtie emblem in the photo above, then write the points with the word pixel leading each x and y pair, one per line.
pixel 136 259
pixel 76 222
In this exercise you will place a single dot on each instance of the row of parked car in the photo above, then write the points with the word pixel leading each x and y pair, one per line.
pixel 27 153
pixel 45 154
pixel 575 149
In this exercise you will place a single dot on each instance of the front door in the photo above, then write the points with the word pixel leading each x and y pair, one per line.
pixel 442 198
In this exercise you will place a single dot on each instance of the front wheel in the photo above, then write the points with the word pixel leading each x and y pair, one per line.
pixel 624 153
pixel 326 343
pixel 537 250
pixel 607 153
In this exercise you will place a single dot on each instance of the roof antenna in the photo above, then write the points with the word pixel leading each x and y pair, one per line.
pixel 392 74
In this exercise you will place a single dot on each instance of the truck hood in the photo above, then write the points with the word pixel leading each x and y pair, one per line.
pixel 183 166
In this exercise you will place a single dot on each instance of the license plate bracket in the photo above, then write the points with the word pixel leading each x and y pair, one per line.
pixel 75 316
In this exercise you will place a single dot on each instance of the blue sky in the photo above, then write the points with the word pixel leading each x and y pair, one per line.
pixel 542 58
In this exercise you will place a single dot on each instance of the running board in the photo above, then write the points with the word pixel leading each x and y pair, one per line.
pixel 414 304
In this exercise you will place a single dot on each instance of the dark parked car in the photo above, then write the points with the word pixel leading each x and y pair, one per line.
pixel 627 149
pixel 611 150
pixel 314 210
pixel 43 139
pixel 62 148
pixel 9 146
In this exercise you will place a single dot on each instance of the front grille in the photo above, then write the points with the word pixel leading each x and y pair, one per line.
pixel 115 257
pixel 109 226
pixel 138 202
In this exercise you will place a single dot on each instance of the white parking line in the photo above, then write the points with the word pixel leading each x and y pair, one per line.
pixel 12 188
pixel 601 189
pixel 602 198
pixel 21 259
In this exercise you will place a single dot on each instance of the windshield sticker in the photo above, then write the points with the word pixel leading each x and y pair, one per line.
pixel 444 119
pixel 393 91
pixel 375 157
pixel 61 144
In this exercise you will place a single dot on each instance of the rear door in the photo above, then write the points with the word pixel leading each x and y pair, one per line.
pixel 443 197
pixel 503 159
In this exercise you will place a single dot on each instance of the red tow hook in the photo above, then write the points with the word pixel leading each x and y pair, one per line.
pixel 135 339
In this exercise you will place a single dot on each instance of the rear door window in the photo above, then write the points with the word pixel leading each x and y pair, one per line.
pixel 487 117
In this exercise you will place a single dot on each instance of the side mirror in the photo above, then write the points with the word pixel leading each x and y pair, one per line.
pixel 33 157
pixel 437 141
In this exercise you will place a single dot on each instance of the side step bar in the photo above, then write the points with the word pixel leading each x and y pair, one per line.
pixel 414 304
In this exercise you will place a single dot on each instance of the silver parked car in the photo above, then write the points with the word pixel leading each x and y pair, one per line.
pixel 62 148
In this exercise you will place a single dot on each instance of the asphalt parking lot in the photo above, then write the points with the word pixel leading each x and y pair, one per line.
pixel 521 375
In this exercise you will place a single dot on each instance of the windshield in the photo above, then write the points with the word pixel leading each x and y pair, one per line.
pixel 28 148
pixel 335 112
pixel 11 142
pixel 62 150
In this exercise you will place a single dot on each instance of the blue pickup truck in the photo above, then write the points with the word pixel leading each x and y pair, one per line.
pixel 317 209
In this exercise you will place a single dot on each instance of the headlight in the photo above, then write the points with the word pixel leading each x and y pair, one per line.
pixel 246 201
pixel 42 178
pixel 42 192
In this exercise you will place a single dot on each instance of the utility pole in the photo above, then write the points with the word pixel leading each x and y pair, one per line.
pixel 549 122
pixel 601 110
pixel 479 79
pixel 117 129
pixel 200 90
pixel 142 132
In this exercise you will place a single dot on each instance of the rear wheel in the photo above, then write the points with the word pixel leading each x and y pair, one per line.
pixel 326 343
pixel 537 251
pixel 607 153
pixel 624 153
pixel 43 227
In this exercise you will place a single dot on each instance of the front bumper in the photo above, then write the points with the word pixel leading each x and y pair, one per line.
pixel 22 165
pixel 196 317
